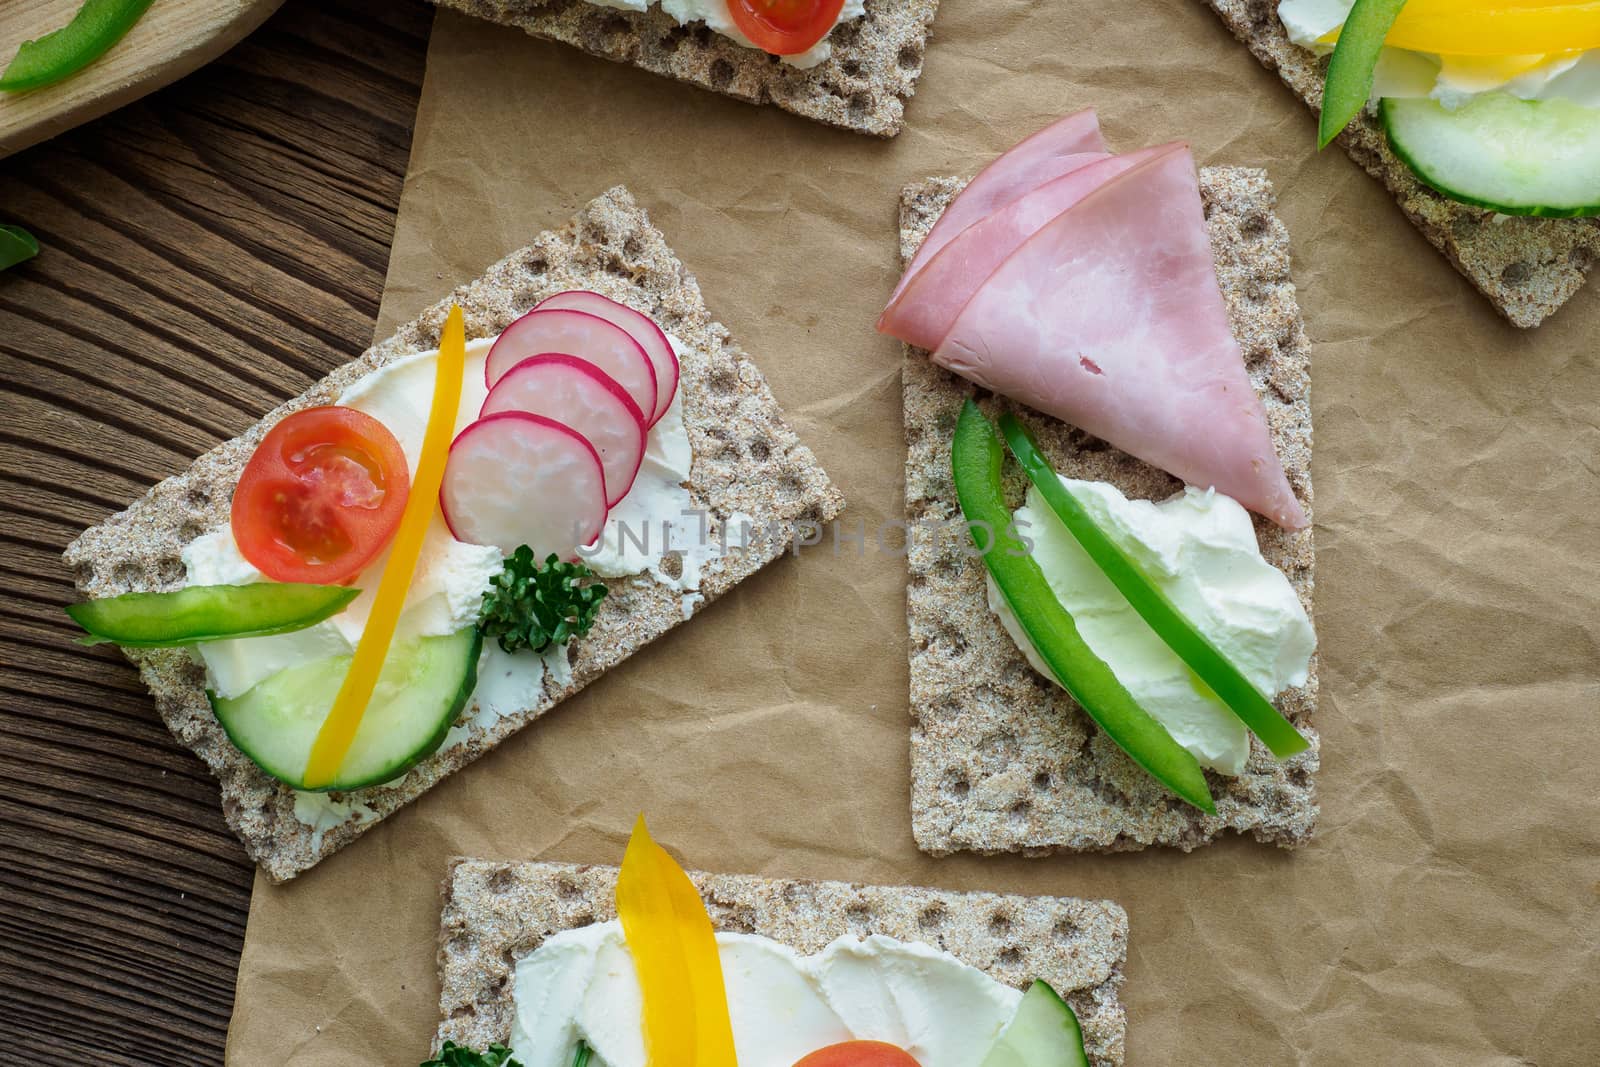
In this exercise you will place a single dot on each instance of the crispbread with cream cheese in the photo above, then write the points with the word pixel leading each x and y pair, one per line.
pixel 1003 760
pixel 863 86
pixel 497 913
pixel 746 461
pixel 1527 267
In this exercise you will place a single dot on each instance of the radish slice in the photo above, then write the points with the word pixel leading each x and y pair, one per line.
pixel 585 398
pixel 577 333
pixel 640 327
pixel 518 479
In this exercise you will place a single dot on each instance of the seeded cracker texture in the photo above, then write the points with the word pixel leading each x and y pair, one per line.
pixel 497 913
pixel 864 86
pixel 1001 759
pixel 1527 267
pixel 746 459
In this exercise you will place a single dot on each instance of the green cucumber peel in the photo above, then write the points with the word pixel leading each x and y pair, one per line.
pixel 976 456
pixel 424 685
pixel 16 246
pixel 200 613
pixel 582 1056
pixel 58 55
pixel 1044 1032
pixel 1177 632
pixel 1497 151
pixel 1353 65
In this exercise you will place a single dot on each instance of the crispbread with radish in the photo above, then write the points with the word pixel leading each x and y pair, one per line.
pixel 612 248
pixel 585 398
pixel 516 478
pixel 644 331
pixel 578 333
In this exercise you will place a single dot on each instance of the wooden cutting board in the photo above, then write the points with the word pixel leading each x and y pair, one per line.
pixel 173 38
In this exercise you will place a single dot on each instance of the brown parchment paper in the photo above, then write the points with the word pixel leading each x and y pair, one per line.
pixel 1449 912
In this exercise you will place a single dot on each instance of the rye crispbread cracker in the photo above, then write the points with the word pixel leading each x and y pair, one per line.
pixel 1003 760
pixel 746 461
pixel 864 86
pixel 1527 267
pixel 497 913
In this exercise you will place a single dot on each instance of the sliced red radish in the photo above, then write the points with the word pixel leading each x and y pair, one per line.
pixel 577 333
pixel 585 398
pixel 640 327
pixel 517 479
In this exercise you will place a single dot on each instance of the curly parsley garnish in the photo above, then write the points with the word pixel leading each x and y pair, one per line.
pixel 454 1055
pixel 535 605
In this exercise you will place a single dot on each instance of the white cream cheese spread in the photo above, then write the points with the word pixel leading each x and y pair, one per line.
pixel 1451 80
pixel 714 13
pixel 1200 549
pixel 581 985
pixel 446 594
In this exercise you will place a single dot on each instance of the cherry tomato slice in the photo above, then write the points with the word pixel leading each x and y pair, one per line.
pixel 785 27
pixel 859 1054
pixel 321 497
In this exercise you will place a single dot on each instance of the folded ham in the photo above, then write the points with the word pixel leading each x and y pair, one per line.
pixel 1061 147
pixel 1110 318
pixel 928 303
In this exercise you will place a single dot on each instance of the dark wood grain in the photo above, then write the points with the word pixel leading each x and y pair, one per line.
pixel 208 252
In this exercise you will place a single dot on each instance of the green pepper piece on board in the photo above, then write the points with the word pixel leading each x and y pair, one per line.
pixel 1354 62
pixel 208 613
pixel 975 458
pixel 58 55
pixel 1159 613
pixel 16 245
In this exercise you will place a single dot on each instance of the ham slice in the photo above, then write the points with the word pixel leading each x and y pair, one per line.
pixel 928 304
pixel 1058 149
pixel 1111 318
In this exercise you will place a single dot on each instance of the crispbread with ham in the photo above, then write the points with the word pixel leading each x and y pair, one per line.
pixel 496 913
pixel 1527 267
pixel 612 248
pixel 1002 760
pixel 864 86
pixel 1109 317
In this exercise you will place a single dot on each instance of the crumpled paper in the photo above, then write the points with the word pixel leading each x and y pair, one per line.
pixel 1449 911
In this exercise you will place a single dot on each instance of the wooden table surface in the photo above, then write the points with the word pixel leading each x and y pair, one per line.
pixel 208 252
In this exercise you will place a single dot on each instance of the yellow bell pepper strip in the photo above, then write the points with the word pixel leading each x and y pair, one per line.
pixel 1496 27
pixel 1353 65
pixel 58 55
pixel 975 458
pixel 338 730
pixel 674 948
pixel 1159 613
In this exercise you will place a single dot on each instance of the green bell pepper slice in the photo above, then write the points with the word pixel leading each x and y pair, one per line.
pixel 1354 63
pixel 1177 632
pixel 208 613
pixel 16 245
pixel 976 456
pixel 58 55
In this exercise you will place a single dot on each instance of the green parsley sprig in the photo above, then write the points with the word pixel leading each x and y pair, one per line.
pixel 454 1055
pixel 535 605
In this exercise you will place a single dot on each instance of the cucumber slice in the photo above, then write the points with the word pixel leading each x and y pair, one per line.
pixel 208 613
pixel 1517 157
pixel 1043 1033
pixel 425 683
